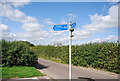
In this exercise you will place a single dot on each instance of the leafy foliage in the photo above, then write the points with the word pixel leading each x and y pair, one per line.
pixel 97 55
pixel 54 53
pixel 17 53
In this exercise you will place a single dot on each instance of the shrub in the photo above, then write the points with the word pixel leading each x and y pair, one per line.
pixel 17 53
pixel 102 55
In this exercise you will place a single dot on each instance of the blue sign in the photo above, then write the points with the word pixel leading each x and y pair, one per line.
pixel 73 25
pixel 60 27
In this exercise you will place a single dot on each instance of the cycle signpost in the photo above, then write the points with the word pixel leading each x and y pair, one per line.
pixel 60 27
pixel 70 26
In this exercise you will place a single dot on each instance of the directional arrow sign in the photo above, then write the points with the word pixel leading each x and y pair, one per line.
pixel 73 25
pixel 60 27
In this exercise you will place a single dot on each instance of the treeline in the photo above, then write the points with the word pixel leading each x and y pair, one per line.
pixel 103 55
pixel 97 55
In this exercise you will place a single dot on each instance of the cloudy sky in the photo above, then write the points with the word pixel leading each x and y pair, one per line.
pixel 33 21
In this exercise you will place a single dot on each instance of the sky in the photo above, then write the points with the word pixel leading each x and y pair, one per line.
pixel 33 21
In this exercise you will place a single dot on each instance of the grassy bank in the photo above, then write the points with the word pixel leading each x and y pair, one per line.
pixel 19 72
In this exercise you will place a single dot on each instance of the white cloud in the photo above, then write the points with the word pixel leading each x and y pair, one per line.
pixel 99 23
pixel 32 35
pixel 4 27
pixel 110 20
pixel 111 37
pixel 32 27
pixel 56 33
pixel 108 38
pixel 29 19
pixel 80 35
pixel 5 33
pixel 21 3
pixel 16 15
pixel 112 0
pixel 63 38
pixel 17 3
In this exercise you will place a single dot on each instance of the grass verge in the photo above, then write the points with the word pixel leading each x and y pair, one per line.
pixel 19 72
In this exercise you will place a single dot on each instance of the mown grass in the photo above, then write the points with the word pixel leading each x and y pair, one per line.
pixel 20 72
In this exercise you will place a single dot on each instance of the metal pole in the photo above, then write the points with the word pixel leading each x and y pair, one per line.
pixel 70 43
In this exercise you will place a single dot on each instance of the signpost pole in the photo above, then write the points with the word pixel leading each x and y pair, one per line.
pixel 71 29
pixel 70 43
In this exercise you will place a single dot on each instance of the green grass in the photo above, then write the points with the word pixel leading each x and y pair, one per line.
pixel 20 72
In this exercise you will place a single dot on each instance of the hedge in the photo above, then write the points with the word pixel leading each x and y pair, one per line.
pixel 102 55
pixel 17 53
